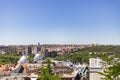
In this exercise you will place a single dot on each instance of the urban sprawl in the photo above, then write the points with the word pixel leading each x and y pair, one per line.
pixel 58 62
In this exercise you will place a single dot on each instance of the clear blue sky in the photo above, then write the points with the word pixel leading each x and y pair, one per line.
pixel 59 21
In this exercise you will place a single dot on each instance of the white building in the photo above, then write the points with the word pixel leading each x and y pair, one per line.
pixel 23 59
pixel 38 58
pixel 95 63
pixel 95 67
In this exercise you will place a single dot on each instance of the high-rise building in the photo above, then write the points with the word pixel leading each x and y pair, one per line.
pixel 28 50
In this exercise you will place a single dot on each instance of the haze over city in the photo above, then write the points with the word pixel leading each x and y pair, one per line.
pixel 59 22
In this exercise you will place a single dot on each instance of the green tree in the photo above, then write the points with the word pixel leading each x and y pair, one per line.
pixel 111 70
pixel 46 73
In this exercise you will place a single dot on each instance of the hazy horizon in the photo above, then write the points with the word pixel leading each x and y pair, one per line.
pixel 59 22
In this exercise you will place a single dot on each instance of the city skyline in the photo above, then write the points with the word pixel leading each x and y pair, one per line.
pixel 59 22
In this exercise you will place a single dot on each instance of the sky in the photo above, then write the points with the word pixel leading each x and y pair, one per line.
pixel 59 22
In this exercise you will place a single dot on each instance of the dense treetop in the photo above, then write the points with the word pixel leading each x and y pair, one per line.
pixel 83 55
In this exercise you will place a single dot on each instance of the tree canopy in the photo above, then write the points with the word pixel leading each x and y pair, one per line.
pixel 92 52
pixel 111 70
pixel 46 72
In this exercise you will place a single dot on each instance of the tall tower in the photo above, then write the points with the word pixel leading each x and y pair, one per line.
pixel 28 50
pixel 38 44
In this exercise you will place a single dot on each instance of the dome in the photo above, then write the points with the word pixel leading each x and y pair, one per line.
pixel 37 57
pixel 23 59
